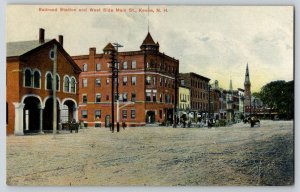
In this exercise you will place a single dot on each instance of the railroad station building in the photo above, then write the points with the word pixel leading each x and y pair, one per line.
pixel 29 85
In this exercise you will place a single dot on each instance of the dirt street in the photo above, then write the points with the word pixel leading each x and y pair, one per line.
pixel 235 155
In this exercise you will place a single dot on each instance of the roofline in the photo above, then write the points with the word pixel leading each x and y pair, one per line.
pixel 13 58
pixel 140 52
pixel 195 74
pixel 76 68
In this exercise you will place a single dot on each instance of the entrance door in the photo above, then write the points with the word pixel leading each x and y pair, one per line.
pixel 150 117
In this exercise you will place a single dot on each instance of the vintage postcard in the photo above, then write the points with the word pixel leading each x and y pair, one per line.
pixel 149 95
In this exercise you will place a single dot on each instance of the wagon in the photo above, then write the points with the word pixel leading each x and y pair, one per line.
pixel 71 125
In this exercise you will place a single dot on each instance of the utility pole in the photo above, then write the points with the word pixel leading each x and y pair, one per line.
pixel 117 77
pixel 53 57
pixel 112 56
pixel 176 99
pixel 208 102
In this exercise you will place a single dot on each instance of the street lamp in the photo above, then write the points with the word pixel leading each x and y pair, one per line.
pixel 117 45
pixel 176 99
pixel 209 101
pixel 254 107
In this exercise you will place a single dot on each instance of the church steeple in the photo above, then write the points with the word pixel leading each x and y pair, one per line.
pixel 247 78
pixel 247 92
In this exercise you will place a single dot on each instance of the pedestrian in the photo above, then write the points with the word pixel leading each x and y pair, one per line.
pixel 124 125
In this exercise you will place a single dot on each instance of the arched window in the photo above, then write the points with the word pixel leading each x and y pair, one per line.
pixel 28 78
pixel 73 83
pixel 85 67
pixel 36 79
pixel 57 82
pixel 66 84
pixel 49 81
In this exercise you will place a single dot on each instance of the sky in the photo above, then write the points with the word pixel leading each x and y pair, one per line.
pixel 214 41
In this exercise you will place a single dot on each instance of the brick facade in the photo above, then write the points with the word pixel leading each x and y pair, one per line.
pixel 198 91
pixel 28 95
pixel 146 78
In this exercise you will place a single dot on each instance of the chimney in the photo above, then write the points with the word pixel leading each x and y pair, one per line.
pixel 61 40
pixel 92 51
pixel 42 36
pixel 92 54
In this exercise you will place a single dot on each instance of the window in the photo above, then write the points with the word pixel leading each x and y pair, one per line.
pixel 28 78
pixel 124 114
pixel 120 97
pixel 160 113
pixel 84 98
pixel 49 81
pixel 160 81
pixel 154 81
pixel 125 97
pixel 84 82
pixel 36 79
pixel 73 85
pixel 57 82
pixel 107 97
pixel 125 80
pixel 133 80
pixel 132 115
pixel 148 96
pixel 85 67
pixel 107 81
pixel 125 65
pixel 84 114
pixel 133 64
pixel 98 82
pixel 147 65
pixel 165 82
pixel 133 97
pixel 182 83
pixel 98 66
pixel 97 114
pixel 66 84
pixel 154 97
pixel 148 80
pixel 167 98
pixel 98 98
pixel 160 98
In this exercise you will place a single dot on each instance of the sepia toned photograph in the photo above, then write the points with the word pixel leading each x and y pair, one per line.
pixel 149 95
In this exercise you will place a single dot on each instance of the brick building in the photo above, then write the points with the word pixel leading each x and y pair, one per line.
pixel 215 100
pixel 29 85
pixel 146 85
pixel 198 91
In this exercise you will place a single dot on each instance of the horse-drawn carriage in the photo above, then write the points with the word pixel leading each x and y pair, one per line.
pixel 71 126
pixel 252 120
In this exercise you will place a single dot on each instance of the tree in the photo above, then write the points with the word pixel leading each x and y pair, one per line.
pixel 279 96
